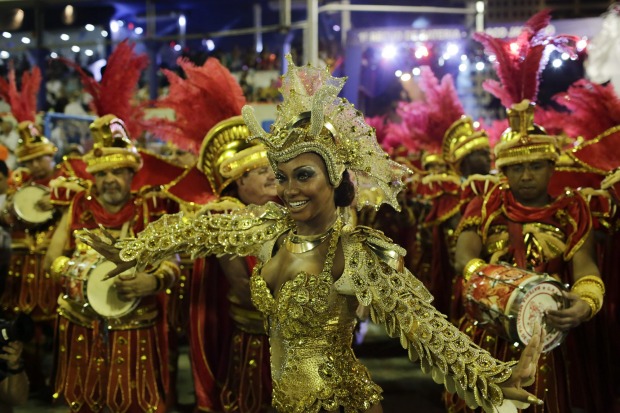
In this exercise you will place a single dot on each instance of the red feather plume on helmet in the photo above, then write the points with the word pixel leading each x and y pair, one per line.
pixel 207 95
pixel 114 94
pixel 23 102
pixel 519 68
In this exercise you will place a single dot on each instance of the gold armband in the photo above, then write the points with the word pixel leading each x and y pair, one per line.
pixel 472 266
pixel 591 290
pixel 166 274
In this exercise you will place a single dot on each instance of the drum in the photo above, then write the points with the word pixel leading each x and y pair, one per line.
pixel 24 204
pixel 509 301
pixel 84 283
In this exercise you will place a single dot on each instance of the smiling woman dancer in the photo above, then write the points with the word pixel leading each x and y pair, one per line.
pixel 314 269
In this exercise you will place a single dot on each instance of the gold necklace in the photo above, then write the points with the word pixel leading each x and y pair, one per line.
pixel 298 244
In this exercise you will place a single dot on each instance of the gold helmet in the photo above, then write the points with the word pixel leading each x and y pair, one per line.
pixel 32 144
pixel 524 141
pixel 225 153
pixel 460 140
pixel 112 146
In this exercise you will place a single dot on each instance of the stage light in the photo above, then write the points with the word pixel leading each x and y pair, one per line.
pixel 492 58
pixel 104 33
pixel 114 26
pixel 479 66
pixel 7 35
pixel 416 71
pixel 462 67
pixel 398 73
pixel 89 27
pixel 25 40
pixel 53 55
pixel 565 56
pixel 480 7
pixel 88 52
pixel 388 52
pixel 4 54
pixel 464 57
pixel 177 47
pixel 421 51
pixel 64 37
pixel 139 30
pixel 452 49
pixel 405 77
pixel 336 28
pixel 75 48
pixel 182 21
pixel 556 63
pixel 210 45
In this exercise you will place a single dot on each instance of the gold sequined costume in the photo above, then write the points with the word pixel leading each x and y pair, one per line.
pixel 311 317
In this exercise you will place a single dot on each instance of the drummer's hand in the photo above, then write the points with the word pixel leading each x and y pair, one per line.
pixel 577 312
pixel 524 373
pixel 45 203
pixel 6 214
pixel 105 246
pixel 135 285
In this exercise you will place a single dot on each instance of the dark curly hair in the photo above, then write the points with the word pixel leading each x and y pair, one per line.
pixel 345 192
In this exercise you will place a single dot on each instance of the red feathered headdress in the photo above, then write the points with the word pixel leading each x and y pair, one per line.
pixel 115 93
pixel 207 95
pixel 519 67
pixel 23 103
pixel 593 109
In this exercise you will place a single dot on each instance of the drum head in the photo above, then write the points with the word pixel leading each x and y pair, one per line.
pixel 24 203
pixel 536 302
pixel 102 295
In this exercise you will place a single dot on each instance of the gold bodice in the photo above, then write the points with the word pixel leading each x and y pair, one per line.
pixel 311 328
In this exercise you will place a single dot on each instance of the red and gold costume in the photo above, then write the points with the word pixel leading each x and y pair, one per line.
pixel 119 362
pixel 229 350
pixel 543 239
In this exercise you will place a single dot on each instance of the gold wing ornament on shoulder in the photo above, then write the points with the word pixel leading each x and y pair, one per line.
pixel 242 232
pixel 375 274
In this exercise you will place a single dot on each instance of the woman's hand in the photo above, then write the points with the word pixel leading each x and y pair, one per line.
pixel 576 313
pixel 105 246
pixel 11 353
pixel 524 373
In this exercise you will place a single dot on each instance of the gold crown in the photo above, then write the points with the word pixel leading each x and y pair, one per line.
pixel 524 141
pixel 460 140
pixel 112 147
pixel 226 153
pixel 312 118
pixel 32 144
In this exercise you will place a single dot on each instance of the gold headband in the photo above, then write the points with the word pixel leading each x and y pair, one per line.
pixel 312 118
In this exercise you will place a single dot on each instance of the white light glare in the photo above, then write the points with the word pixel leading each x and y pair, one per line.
pixel 388 52
pixel 177 47
pixel 462 67
pixel 139 30
pixel 476 124
pixel 514 47
pixel 405 77
pixel 492 58
pixel 479 66
pixel 89 27
pixel 416 71
pixel 114 26
pixel 210 45
pixel 64 37
pixel 6 35
pixel 88 52
pixel 556 63
pixel 4 54
pixel 398 73
pixel 53 55
pixel 452 49
pixel 336 28
pixel 25 40
pixel 565 56
pixel 104 33
pixel 182 20
pixel 421 52
pixel 463 57
pixel 582 44
pixel 480 7
pixel 75 48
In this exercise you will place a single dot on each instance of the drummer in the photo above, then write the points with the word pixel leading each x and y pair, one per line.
pixel 518 222
pixel 116 363
pixel 29 289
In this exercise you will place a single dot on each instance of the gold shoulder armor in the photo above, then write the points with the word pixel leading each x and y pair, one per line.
pixel 381 245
